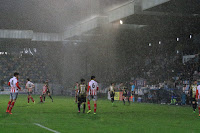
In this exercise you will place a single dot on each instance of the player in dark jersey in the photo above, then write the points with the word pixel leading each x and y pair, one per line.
pixel 48 91
pixel 128 95
pixel 124 95
pixel 193 89
pixel 82 90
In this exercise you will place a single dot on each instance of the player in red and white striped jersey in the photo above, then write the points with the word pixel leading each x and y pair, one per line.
pixel 92 93
pixel 44 91
pixel 198 97
pixel 29 87
pixel 13 83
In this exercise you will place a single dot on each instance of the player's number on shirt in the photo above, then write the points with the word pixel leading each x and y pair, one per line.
pixel 82 89
pixel 93 86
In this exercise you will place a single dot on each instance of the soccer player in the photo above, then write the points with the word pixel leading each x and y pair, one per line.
pixel 92 93
pixel 45 91
pixel 193 89
pixel 48 91
pixel 128 95
pixel 198 97
pixel 112 92
pixel 29 87
pixel 124 95
pixel 13 83
pixel 82 90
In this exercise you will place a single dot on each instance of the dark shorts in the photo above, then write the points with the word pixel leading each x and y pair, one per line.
pixel 112 95
pixel 194 100
pixel 125 95
pixel 82 99
pixel 48 92
pixel 29 93
pixel 198 102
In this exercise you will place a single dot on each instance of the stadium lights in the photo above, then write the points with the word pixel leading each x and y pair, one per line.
pixel 190 36
pixel 30 51
pixel 177 39
pixel 35 50
pixel 159 42
pixel 25 51
pixel 177 51
pixel 149 44
pixel 3 53
pixel 121 22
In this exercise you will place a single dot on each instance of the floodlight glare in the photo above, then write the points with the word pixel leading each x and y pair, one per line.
pixel 121 22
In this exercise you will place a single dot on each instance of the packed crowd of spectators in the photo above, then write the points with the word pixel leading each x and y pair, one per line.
pixel 28 66
pixel 168 79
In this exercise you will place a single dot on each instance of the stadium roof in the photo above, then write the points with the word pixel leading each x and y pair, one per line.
pixel 71 18
pixel 50 15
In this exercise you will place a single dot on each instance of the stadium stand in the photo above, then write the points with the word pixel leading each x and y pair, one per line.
pixel 27 65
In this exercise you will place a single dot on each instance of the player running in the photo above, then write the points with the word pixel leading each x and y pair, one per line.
pixel 82 89
pixel 13 83
pixel 29 87
pixel 193 89
pixel 45 91
pixel 124 95
pixel 112 92
pixel 92 93
pixel 48 91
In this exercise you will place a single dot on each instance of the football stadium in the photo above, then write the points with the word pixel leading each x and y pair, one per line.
pixel 100 66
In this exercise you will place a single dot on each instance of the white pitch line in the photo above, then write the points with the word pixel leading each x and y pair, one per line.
pixel 46 128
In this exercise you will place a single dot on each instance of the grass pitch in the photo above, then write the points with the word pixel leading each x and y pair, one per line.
pixel 62 116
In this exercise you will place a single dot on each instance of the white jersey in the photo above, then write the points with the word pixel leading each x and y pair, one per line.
pixel 198 92
pixel 13 84
pixel 93 87
pixel 29 85
pixel 111 89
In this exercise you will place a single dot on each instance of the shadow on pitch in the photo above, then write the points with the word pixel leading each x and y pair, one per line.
pixel 90 116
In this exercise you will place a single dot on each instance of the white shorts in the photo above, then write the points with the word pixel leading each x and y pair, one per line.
pixel 13 96
pixel 93 97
